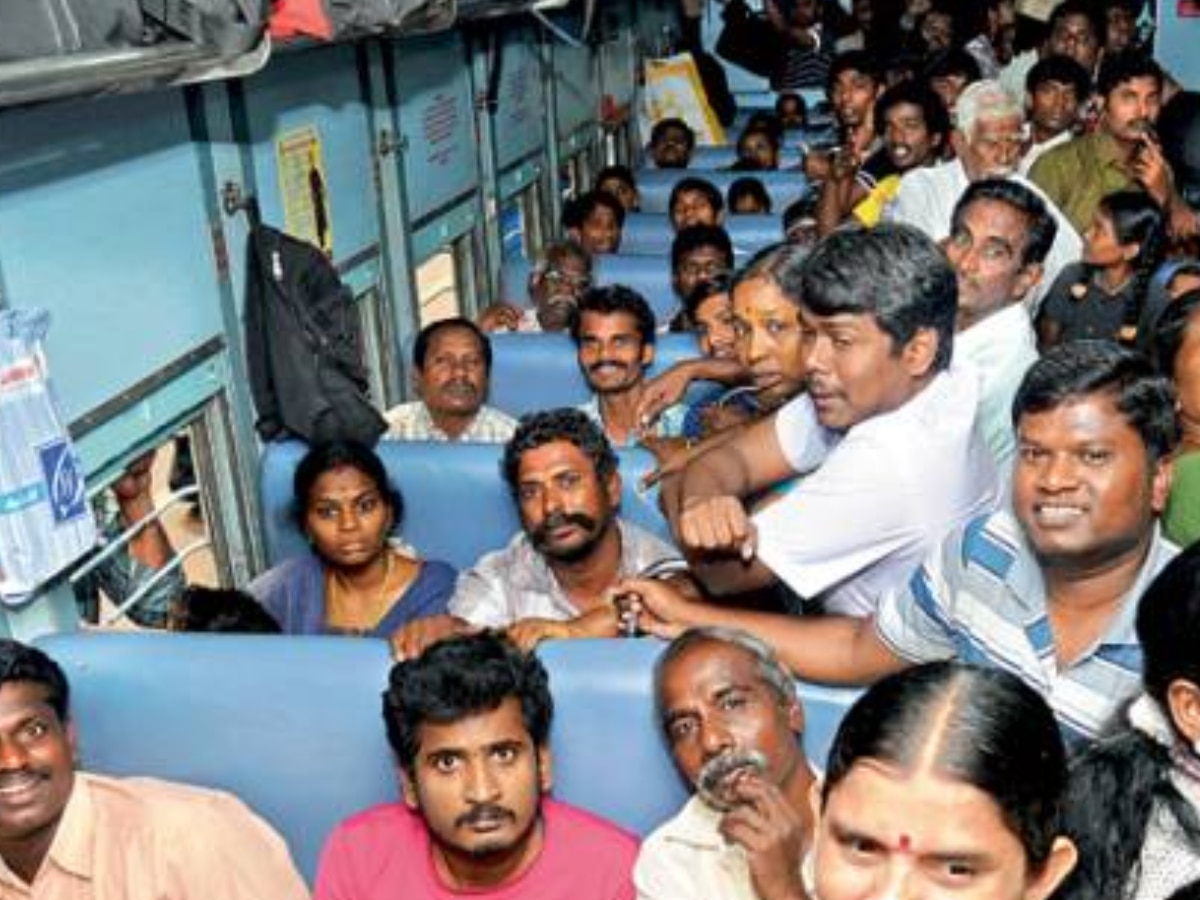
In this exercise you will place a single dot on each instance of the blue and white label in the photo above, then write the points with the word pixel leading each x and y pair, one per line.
pixel 64 480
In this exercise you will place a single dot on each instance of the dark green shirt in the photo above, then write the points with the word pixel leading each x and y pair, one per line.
pixel 1077 174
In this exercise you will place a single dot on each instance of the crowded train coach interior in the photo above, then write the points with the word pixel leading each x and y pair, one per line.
pixel 555 449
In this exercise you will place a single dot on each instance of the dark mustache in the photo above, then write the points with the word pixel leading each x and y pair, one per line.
pixel 483 812
pixel 558 520
pixel 461 384
pixel 608 362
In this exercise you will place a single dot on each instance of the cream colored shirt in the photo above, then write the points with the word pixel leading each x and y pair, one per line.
pixel 145 839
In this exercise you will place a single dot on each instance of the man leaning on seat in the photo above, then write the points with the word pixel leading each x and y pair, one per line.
pixel 77 835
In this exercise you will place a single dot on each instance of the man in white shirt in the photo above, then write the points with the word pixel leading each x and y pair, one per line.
pixel 1055 91
pixel 999 235
pixel 452 362
pixel 731 718
pixel 987 140
pixel 884 438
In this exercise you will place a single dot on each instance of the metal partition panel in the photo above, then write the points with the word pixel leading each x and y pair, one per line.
pixel 433 87
pixel 520 116
pixel 104 221
pixel 310 104
pixel 576 96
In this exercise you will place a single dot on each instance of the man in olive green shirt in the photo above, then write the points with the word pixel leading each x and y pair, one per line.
pixel 1122 153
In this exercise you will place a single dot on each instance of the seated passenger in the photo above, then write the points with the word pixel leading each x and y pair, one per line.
pixel 1177 351
pixel 733 723
pixel 1104 296
pixel 355 580
pixel 618 181
pixel 697 253
pixel 948 74
pixel 1056 89
pixel 748 196
pixel 614 335
pixel 694 201
pixel 595 220
pixel 132 568
pixel 1047 585
pixel 944 781
pixel 671 144
pixel 1000 235
pixel 561 272
pixel 791 110
pixel 67 833
pixel 800 222
pixel 552 580
pixel 758 150
pixel 1134 803
pixel 469 723
pixel 884 436
pixel 452 364
pixel 220 610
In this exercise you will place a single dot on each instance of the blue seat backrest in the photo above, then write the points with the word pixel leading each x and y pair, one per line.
pixel 650 276
pixel 654 185
pixel 293 725
pixel 651 234
pixel 539 371
pixel 456 503
pixel 725 155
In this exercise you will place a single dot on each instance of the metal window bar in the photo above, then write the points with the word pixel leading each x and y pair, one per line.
pixel 175 562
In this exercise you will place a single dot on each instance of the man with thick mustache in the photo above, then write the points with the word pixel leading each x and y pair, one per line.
pixel 732 720
pixel 614 332
pixel 72 834
pixel 469 722
pixel 551 581
pixel 452 362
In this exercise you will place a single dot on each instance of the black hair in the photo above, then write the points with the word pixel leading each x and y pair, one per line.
pixel 23 663
pixel 221 610
pixel 610 299
pixel 893 273
pixel 550 426
pixel 663 125
pixel 1170 330
pixel 325 457
pixel 700 185
pixel 920 95
pixel 426 335
pixel 950 62
pixel 461 677
pixel 1117 68
pixel 696 236
pixel 985 727
pixel 805 207
pixel 1179 135
pixel 764 120
pixel 709 287
pixel 1078 368
pixel 1040 227
pixel 1190 891
pixel 619 172
pixel 749 187
pixel 781 264
pixel 790 96
pixel 1063 70
pixel 861 61
pixel 577 211
pixel 1137 219
pixel 1123 780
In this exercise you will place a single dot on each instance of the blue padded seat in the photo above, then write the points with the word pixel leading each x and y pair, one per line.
pixel 293 725
pixel 650 276
pixel 456 503
pixel 654 185
pixel 722 156
pixel 651 234
pixel 539 371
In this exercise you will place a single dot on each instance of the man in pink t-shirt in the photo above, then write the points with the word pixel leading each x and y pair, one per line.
pixel 469 721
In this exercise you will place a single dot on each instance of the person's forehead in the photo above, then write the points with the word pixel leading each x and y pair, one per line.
pixel 1074 24
pixel 551 457
pixel 618 321
pixel 710 666
pixel 993 125
pixel 1079 415
pixel 904 111
pixel 1138 84
pixel 992 217
pixel 19 700
pixel 1054 84
pixel 454 339
pixel 692 196
pixel 481 728
pixel 703 252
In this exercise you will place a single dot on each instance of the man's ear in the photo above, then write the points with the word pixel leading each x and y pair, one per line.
pixel 73 741
pixel 647 355
pixel 1027 279
pixel 1160 484
pixel 1062 859
pixel 545 769
pixel 920 351
pixel 958 142
pixel 613 488
pixel 1183 700
pixel 408 788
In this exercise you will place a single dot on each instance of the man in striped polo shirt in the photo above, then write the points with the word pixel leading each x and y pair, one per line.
pixel 1047 587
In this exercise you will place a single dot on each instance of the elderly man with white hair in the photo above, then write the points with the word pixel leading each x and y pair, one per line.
pixel 988 139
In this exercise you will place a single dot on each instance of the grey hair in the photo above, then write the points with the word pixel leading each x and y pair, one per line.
pixel 982 101
pixel 770 668
pixel 555 251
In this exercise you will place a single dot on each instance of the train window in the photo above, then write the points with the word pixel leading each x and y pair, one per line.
pixel 437 287
pixel 374 358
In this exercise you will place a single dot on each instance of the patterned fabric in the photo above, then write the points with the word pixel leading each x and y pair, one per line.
pixel 981 598
pixel 669 425
pixel 412 422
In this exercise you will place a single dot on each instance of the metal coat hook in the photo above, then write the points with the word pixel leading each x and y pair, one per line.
pixel 234 201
